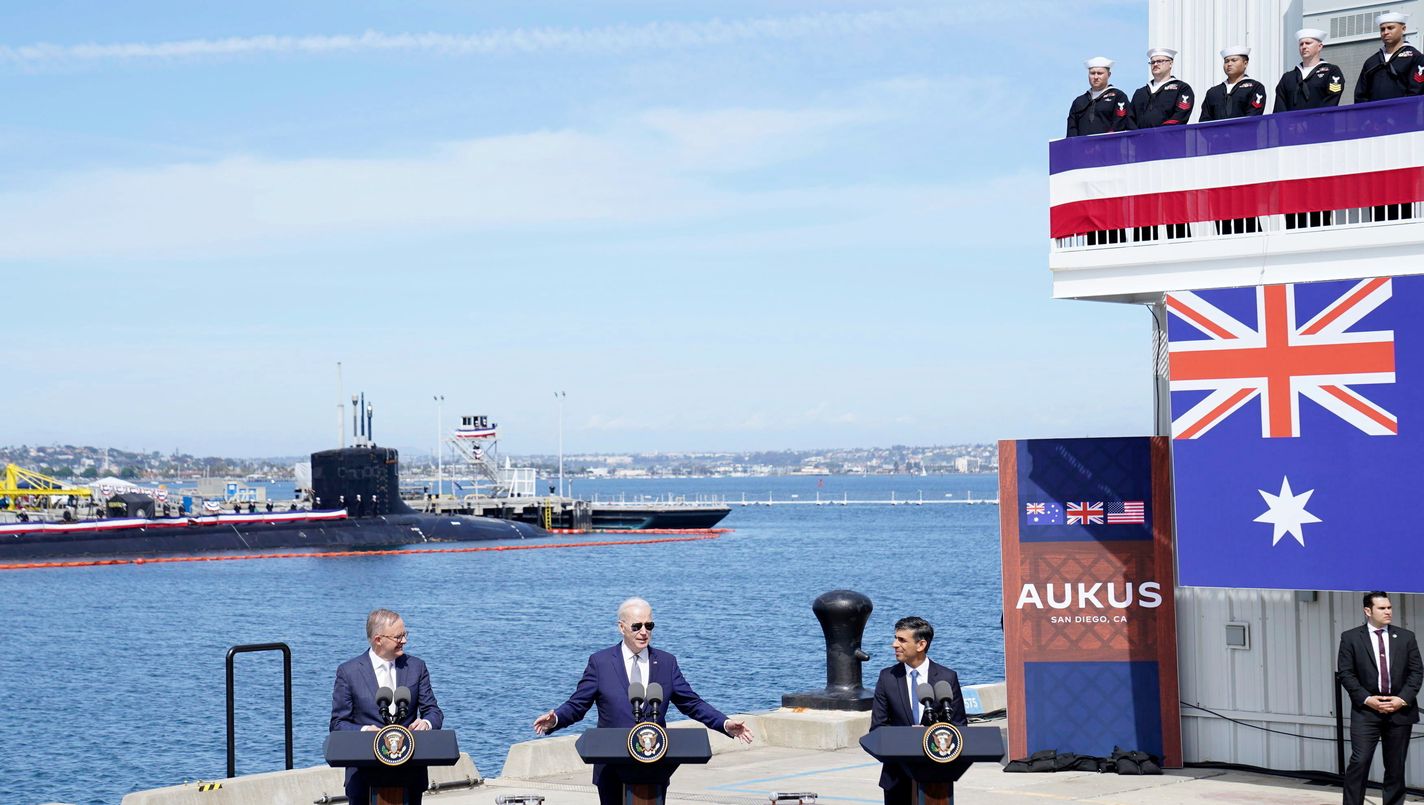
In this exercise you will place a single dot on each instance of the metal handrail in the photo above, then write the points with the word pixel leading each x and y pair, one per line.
pixel 286 698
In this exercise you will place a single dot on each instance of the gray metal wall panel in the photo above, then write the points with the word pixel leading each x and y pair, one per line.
pixel 1284 682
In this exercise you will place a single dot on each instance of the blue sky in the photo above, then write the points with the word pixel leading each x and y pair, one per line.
pixel 721 225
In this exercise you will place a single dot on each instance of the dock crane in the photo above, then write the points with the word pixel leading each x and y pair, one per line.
pixel 19 482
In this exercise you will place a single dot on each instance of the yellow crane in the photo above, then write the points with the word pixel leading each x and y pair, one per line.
pixel 18 482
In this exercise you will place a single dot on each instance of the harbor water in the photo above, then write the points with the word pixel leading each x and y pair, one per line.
pixel 116 674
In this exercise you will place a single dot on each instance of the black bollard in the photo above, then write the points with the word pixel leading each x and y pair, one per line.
pixel 842 614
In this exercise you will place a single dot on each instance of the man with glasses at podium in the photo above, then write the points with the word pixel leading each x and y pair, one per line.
pixel 605 683
pixel 897 703
pixel 384 665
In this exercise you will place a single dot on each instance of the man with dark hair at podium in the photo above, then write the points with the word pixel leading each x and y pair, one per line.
pixel 1379 667
pixel 384 665
pixel 605 683
pixel 896 703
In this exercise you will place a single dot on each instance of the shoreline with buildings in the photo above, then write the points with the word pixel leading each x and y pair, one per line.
pixel 70 462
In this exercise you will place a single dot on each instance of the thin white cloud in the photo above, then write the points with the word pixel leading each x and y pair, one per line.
pixel 506 41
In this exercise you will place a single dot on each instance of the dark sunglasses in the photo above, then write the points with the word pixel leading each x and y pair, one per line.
pixel 638 627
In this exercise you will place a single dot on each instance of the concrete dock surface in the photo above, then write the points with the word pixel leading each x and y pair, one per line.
pixel 794 751
pixel 849 775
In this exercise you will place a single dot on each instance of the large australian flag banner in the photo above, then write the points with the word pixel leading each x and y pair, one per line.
pixel 1298 434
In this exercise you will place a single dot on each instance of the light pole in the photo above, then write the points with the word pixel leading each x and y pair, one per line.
pixel 561 395
pixel 439 451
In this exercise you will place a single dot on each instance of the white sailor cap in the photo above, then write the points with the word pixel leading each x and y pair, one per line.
pixel 1390 16
pixel 1310 33
pixel 1236 50
pixel 1168 52
pixel 1098 61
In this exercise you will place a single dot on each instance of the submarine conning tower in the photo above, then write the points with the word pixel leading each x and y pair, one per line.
pixel 365 480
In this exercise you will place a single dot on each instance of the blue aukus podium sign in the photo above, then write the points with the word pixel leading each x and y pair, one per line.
pixel 1298 425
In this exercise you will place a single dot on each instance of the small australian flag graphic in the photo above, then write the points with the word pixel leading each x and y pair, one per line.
pixel 1047 513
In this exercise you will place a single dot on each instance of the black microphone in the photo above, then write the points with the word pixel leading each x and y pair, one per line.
pixel 655 698
pixel 945 693
pixel 383 704
pixel 635 698
pixel 926 695
pixel 402 703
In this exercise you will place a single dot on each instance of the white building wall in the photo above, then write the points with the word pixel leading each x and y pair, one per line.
pixel 1284 680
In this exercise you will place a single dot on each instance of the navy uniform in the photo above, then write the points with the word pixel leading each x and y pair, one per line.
pixel 1167 104
pixel 1396 75
pixel 1309 88
pixel 1245 99
pixel 1108 111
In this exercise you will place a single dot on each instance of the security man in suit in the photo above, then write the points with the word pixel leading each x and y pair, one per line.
pixel 896 704
pixel 1165 100
pixel 1103 108
pixel 1380 668
pixel 1237 96
pixel 605 683
pixel 384 665
pixel 1313 83
pixel 1396 70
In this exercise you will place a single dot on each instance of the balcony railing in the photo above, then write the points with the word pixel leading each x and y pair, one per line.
pixel 1319 194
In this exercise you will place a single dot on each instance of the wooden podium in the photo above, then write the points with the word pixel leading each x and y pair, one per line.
pixel 644 757
pixel 932 757
pixel 393 775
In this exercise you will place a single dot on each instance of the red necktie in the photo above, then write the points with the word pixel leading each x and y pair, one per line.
pixel 1383 664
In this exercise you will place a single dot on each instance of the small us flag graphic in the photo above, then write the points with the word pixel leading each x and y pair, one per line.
pixel 1127 512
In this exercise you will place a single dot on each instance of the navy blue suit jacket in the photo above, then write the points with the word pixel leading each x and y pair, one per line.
pixel 353 696
pixel 892 708
pixel 605 683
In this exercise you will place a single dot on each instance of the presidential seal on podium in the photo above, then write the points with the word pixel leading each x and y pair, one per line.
pixel 647 742
pixel 943 742
pixel 394 745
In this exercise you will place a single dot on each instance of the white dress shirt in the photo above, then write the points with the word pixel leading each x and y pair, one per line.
pixel 382 668
pixel 643 672
pixel 924 671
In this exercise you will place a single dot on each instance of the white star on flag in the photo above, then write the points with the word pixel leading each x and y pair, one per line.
pixel 1286 512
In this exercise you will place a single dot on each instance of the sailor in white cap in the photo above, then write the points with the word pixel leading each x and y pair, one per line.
pixel 1237 96
pixel 1166 100
pixel 1314 83
pixel 1396 70
pixel 1103 108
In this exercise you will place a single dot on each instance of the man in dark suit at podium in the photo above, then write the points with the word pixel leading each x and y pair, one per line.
pixel 896 704
pixel 605 683
pixel 385 665
pixel 1379 667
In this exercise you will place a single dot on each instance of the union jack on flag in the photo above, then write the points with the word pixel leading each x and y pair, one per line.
pixel 1280 359
pixel 1035 508
pixel 1085 513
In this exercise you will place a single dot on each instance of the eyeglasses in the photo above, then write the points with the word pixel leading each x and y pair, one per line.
pixel 1160 61
pixel 638 627
pixel 399 638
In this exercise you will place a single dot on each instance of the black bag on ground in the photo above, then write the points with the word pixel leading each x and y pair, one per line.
pixel 1134 762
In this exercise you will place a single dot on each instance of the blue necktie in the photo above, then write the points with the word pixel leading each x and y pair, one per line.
pixel 915 696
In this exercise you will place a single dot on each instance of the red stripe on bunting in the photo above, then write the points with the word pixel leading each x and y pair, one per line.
pixel 1399 186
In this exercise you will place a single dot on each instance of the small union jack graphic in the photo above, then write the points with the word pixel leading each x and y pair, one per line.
pixel 1035 508
pixel 1281 360
pixel 1085 513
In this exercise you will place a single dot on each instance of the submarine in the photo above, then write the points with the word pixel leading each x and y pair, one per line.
pixel 356 506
